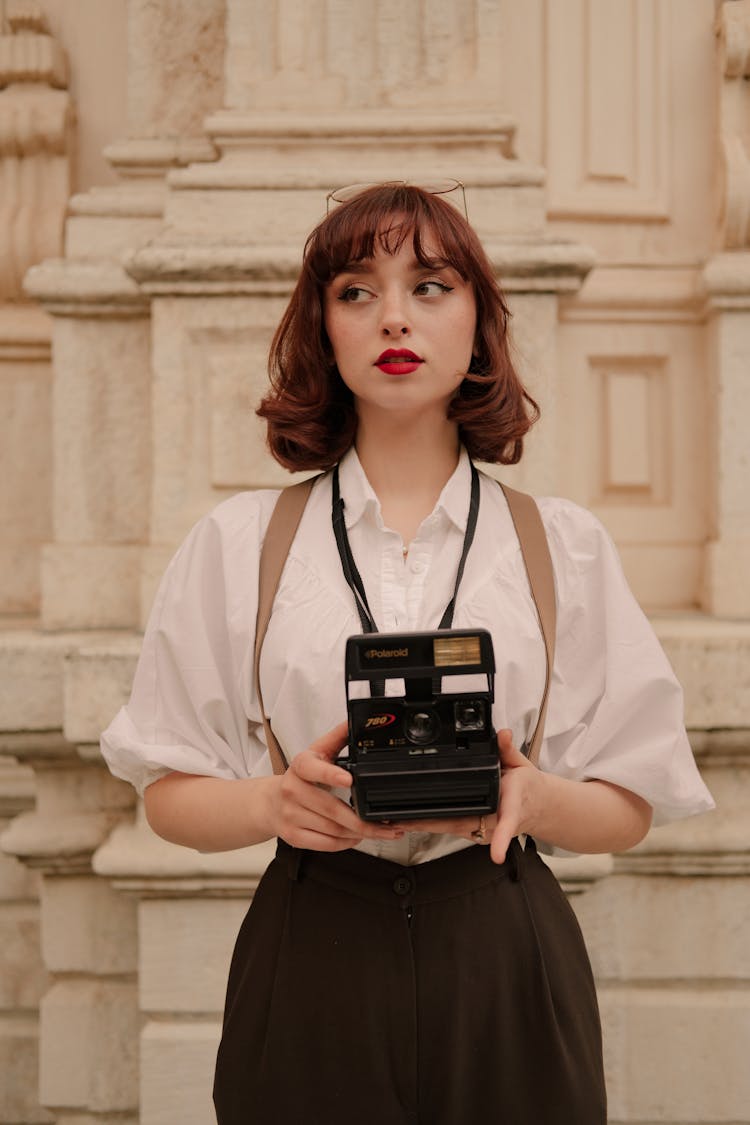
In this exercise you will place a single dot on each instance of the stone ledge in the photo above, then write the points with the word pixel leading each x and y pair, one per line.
pixel 125 201
pixel 180 265
pixel 365 123
pixel 85 287
pixel 151 156
pixel 31 676
pixel 711 658
pixel 135 858
pixel 726 280
pixel 577 873
pixel 58 843
pixel 255 176
pixel 630 294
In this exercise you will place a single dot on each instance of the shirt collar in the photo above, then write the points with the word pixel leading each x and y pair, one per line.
pixel 360 498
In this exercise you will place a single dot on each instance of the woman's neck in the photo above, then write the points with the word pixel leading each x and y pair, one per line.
pixel 408 467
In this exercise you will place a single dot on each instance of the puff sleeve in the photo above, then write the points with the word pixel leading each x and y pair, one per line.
pixel 616 708
pixel 193 707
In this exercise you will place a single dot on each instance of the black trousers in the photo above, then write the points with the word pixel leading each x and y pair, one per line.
pixel 451 992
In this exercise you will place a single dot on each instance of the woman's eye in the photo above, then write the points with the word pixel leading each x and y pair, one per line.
pixel 432 288
pixel 354 293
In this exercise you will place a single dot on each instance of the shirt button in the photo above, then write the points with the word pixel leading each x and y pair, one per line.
pixel 402 885
pixel 417 567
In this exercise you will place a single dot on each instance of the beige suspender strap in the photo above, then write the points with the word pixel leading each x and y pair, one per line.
pixel 281 530
pixel 535 551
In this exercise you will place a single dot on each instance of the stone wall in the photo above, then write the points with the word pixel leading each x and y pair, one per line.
pixel 160 164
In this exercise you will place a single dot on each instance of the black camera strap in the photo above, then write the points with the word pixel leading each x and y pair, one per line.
pixel 352 575
pixel 532 538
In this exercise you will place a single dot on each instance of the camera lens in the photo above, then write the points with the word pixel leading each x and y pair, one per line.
pixel 421 726
pixel 469 715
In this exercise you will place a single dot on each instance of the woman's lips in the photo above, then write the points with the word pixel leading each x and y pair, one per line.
pixel 398 361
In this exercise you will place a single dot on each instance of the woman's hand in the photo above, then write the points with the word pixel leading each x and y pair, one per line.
pixel 306 815
pixel 519 780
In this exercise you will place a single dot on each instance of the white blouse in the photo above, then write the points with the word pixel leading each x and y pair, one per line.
pixel 615 707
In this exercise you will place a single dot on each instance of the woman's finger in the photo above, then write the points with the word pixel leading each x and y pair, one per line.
pixel 302 798
pixel 330 744
pixel 509 755
pixel 465 826
pixel 318 771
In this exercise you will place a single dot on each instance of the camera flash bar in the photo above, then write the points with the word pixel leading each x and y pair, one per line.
pixel 457 651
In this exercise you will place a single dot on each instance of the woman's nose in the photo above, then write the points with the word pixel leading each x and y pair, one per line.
pixel 394 321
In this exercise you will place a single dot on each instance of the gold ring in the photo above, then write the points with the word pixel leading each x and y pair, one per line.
pixel 479 833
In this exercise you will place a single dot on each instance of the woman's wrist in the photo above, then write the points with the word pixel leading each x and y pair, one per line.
pixel 582 816
pixel 264 802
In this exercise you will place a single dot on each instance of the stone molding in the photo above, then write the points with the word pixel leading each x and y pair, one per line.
pixel 726 280
pixel 624 294
pixel 138 861
pixel 101 288
pixel 489 135
pixel 29 54
pixel 733 32
pixel 153 156
pixel 25 332
pixel 61 834
pixel 36 127
pixel 170 266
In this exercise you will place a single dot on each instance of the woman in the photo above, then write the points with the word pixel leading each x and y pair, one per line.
pixel 401 972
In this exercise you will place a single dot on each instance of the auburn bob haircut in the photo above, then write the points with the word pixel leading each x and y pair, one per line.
pixel 310 412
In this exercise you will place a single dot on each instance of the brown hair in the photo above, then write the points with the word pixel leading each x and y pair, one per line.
pixel 309 410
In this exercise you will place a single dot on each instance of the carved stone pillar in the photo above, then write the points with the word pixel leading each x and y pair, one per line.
pixel 35 173
pixel 88 1017
pixel 727 285
pixel 101 412
pixel 35 142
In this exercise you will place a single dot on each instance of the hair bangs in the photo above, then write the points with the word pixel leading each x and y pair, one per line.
pixel 383 218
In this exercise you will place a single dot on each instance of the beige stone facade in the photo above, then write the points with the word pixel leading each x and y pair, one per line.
pixel 160 164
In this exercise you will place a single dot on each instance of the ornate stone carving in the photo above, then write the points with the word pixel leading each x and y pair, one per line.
pixel 36 120
pixel 733 31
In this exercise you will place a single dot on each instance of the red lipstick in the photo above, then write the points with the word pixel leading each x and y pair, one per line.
pixel 398 361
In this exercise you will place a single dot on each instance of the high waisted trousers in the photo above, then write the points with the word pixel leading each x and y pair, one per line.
pixel 453 992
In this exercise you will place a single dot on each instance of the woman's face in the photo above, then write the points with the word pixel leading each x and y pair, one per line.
pixel 402 333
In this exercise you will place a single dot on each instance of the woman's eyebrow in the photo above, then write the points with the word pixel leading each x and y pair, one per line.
pixel 365 265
